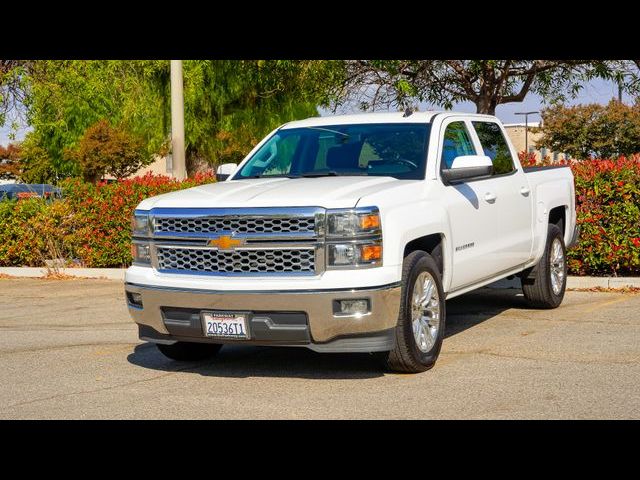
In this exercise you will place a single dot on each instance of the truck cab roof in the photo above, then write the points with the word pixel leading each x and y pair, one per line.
pixel 378 117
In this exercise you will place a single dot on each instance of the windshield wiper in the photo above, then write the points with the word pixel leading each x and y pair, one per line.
pixel 260 175
pixel 333 173
pixel 330 173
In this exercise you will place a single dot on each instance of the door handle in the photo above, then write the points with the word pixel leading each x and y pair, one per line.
pixel 490 197
pixel 525 191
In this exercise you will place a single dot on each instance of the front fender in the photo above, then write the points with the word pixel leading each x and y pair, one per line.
pixel 404 223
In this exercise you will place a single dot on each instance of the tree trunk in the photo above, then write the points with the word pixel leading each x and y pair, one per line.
pixel 486 105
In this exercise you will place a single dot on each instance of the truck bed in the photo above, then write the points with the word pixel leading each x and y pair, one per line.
pixel 542 167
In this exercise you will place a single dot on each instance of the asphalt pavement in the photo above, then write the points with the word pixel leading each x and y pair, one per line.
pixel 68 349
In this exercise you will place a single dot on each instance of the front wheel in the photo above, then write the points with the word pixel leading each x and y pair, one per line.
pixel 544 284
pixel 421 322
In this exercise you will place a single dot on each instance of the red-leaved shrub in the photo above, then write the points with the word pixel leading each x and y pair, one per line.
pixel 608 212
pixel 91 225
pixel 92 222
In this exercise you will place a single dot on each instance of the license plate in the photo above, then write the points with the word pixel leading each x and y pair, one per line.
pixel 225 324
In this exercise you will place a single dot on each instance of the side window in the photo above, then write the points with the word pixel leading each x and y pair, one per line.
pixel 456 143
pixel 495 147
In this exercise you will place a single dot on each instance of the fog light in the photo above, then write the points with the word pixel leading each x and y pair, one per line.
pixel 135 299
pixel 352 308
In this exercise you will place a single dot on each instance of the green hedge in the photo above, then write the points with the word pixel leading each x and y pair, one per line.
pixel 91 225
pixel 608 212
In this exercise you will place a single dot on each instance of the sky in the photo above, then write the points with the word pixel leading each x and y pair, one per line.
pixel 596 91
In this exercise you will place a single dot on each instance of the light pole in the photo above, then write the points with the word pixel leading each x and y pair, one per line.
pixel 526 128
pixel 177 121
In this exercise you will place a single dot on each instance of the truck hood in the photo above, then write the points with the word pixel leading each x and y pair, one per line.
pixel 328 192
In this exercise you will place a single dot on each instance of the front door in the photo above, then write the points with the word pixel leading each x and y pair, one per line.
pixel 473 214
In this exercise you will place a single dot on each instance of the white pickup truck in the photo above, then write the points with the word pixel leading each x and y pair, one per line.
pixel 347 234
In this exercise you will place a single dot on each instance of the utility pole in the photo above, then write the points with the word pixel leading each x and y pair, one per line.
pixel 177 121
pixel 526 129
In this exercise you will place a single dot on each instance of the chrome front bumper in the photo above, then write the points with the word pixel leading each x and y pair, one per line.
pixel 304 318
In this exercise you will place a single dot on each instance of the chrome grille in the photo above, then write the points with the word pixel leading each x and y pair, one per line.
pixel 245 224
pixel 281 260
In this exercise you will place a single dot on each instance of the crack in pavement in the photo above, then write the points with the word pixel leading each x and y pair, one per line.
pixel 110 387
pixel 62 347
pixel 70 328
pixel 508 318
pixel 541 359
pixel 88 325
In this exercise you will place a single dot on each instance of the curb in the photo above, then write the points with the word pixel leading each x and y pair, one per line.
pixel 118 274
pixel 579 282
pixel 38 272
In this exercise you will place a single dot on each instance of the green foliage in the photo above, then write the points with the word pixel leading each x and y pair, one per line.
pixel 583 131
pixel 20 242
pixel 229 105
pixel 12 86
pixel 608 211
pixel 36 165
pixel 66 97
pixel 90 226
pixel 104 149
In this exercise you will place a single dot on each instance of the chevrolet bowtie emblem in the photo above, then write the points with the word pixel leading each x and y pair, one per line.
pixel 225 242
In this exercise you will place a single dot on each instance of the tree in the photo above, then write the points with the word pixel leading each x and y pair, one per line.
pixel 12 86
pixel 486 83
pixel 37 167
pixel 65 97
pixel 229 105
pixel 593 130
pixel 10 161
pixel 104 149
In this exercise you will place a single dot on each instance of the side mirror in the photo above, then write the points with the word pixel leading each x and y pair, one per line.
pixel 467 167
pixel 225 170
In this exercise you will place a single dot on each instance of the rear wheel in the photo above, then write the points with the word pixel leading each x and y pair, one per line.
pixel 421 322
pixel 189 351
pixel 544 284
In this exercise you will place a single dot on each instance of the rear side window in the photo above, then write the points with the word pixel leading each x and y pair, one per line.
pixel 456 143
pixel 495 147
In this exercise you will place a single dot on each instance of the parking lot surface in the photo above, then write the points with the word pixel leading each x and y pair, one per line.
pixel 68 349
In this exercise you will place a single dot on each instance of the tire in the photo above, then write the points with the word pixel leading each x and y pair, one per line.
pixel 189 351
pixel 544 284
pixel 409 354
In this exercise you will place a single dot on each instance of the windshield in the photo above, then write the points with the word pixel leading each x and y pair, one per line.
pixel 395 150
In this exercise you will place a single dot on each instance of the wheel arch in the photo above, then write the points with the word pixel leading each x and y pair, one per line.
pixel 435 245
pixel 558 217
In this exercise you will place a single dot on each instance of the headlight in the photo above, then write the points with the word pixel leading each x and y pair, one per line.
pixel 140 225
pixel 354 238
pixel 354 254
pixel 353 223
pixel 141 253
